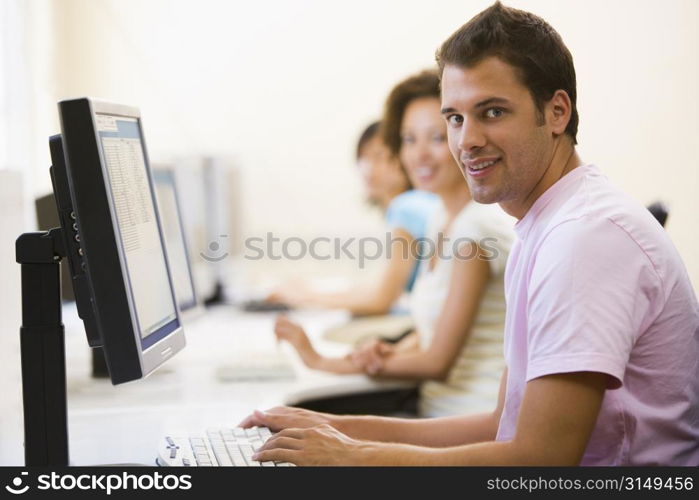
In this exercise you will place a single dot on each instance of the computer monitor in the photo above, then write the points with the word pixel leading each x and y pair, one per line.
pixel 118 237
pixel 175 239
pixel 190 178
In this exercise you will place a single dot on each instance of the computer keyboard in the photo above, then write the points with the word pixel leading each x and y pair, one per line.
pixel 262 305
pixel 256 366
pixel 230 447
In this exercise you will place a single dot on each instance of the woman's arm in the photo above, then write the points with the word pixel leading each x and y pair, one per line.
pixel 467 284
pixel 285 329
pixel 374 299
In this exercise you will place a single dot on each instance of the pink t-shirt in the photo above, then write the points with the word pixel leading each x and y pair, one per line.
pixel 595 284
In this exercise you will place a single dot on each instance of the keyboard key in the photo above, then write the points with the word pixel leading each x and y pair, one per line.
pixel 247 451
pixel 222 457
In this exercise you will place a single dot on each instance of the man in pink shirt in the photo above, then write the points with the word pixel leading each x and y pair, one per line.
pixel 602 330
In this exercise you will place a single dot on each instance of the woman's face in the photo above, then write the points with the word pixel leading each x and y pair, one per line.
pixel 380 171
pixel 424 150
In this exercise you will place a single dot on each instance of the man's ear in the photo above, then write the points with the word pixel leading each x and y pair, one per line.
pixel 558 111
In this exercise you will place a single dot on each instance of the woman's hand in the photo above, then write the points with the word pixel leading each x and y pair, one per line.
pixel 370 356
pixel 294 294
pixel 285 329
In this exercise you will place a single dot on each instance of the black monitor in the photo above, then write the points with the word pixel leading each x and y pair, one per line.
pixel 116 242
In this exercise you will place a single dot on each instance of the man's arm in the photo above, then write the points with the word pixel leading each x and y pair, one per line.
pixel 556 418
pixel 434 432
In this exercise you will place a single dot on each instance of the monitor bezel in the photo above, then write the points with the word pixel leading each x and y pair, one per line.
pixel 128 356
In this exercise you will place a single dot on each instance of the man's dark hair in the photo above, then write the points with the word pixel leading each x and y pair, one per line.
pixel 526 42
pixel 424 84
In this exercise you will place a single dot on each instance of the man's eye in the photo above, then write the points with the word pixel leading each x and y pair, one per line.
pixel 407 139
pixel 494 112
pixel 455 120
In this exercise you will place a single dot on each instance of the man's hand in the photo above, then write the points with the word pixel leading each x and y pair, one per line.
pixel 321 445
pixel 284 417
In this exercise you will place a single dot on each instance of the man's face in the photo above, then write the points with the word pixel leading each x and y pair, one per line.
pixel 495 134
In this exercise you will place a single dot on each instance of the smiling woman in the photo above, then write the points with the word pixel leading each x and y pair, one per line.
pixel 457 302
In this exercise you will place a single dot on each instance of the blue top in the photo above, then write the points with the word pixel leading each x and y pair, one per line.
pixel 410 211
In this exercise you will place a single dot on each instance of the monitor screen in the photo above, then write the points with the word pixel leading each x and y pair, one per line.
pixel 173 230
pixel 148 281
pixel 114 238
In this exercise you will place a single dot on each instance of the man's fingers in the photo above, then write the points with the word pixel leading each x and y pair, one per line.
pixel 288 443
pixel 277 419
pixel 257 419
pixel 248 421
pixel 292 432
pixel 277 455
pixel 274 418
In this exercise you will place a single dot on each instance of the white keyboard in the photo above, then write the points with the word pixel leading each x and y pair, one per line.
pixel 231 447
pixel 256 366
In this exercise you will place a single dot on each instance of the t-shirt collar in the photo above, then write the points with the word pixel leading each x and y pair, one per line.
pixel 524 225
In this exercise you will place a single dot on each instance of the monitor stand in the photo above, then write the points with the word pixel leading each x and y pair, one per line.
pixel 42 345
pixel 43 349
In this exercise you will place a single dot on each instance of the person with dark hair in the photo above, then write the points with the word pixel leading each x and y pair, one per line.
pixel 602 330
pixel 406 212
pixel 458 302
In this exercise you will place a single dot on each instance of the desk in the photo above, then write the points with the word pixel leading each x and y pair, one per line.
pixel 123 424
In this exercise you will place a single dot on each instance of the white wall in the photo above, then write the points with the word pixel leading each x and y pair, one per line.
pixel 284 88
pixel 11 225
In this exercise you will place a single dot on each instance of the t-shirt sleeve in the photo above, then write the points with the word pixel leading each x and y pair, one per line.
pixel 410 212
pixel 591 291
